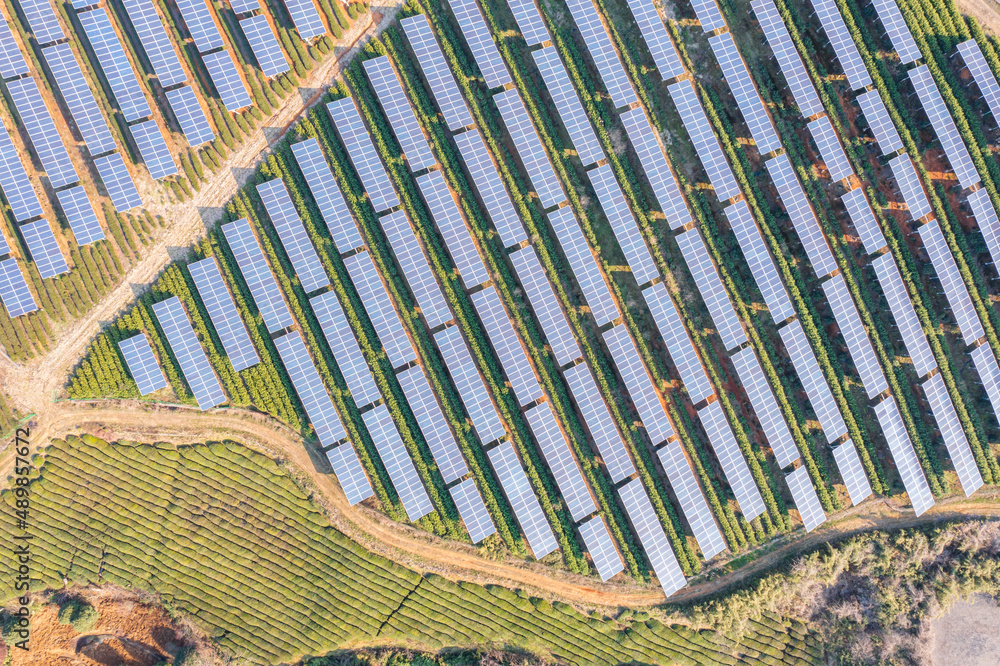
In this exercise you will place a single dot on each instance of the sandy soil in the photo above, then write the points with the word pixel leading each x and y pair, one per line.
pixel 987 12
pixel 969 634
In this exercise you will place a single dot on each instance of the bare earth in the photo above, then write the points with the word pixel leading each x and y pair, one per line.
pixel 984 11
pixel 969 634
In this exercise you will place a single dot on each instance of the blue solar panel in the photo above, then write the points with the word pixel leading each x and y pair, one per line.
pixel 118 182
pixel 240 6
pixel 858 343
pixel 419 275
pixel 306 19
pixel 546 306
pixel 190 116
pixel 115 64
pixel 350 473
pixel 15 184
pixel 706 144
pixel 601 547
pixel 198 19
pixel 658 172
pixel 709 283
pixel 346 350
pixel 457 237
pixel 602 429
pixel 584 265
pixel 679 344
pixel 80 215
pixel 223 313
pixel 310 389
pixel 42 131
pixel 568 105
pixel 42 20
pixel 730 457
pixel 385 320
pixel 264 45
pixel 565 470
pixel 651 535
pixel 326 192
pixel 397 463
pixel 472 510
pixel 469 383
pixel 12 61
pixel 227 80
pixel 79 98
pixel 43 248
pixel 772 421
pixel 523 500
pixel 748 100
pixel 293 235
pixel 155 42
pixel 477 35
pixel 655 34
pixel 765 274
pixel 187 350
pixel 796 203
pixel 399 113
pixel 432 423
pixel 364 157
pixel 602 50
pixel 692 499
pixel 259 278
pixel 640 386
pixel 490 186
pixel 529 21
pixel 142 364
pixel 14 290
pixel 623 224
pixel 432 63
pixel 529 148
pixel 153 148
pixel 505 343
pixel 788 57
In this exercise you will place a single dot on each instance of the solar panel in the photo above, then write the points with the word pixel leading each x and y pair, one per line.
pixel 796 204
pixel 706 278
pixel 766 407
pixel 971 54
pixel 432 63
pixel 944 126
pixel 293 235
pixel 951 282
pixel 830 149
pixel 863 220
pixel 15 183
pixel 788 57
pixel 266 49
pixel 226 78
pixel 190 116
pixel 12 61
pixel 508 348
pixel 477 35
pixel 257 274
pixel 456 235
pixel 432 423
pixel 705 142
pixel 815 385
pixel 765 273
pixel 44 250
pixel 14 290
pixel 880 122
pixel 986 218
pixel 584 265
pixel 198 19
pixel 599 422
pixel 657 39
pixel 45 139
pixel 623 224
pixel 42 20
pixel 115 64
pixel 329 198
pixel 902 312
pixel 543 301
pixel 418 272
pixel 708 15
pixel 853 474
pixel 529 148
pixel 350 473
pixel 153 148
pixel 804 496
pixel 734 465
pixel 188 351
pixel 601 547
pixel 362 152
pixel 909 186
pixel 843 45
pixel 241 6
pixel 640 386
pixel 397 463
pixel 529 21
pixel 522 500
pixel 652 537
pixel 142 365
pixel 399 112
pixel 982 358
pixel 305 18
pixel 471 388
pixel 155 42
pixel 496 200
pixel 472 510
pixel 678 342
pixel 560 460
pixel 654 164
pixel 223 313
pixel 118 182
pixel 904 456
pixel 747 98
pixel 691 499
pixel 858 343
pixel 380 310
pixel 899 34
pixel 80 215
pixel 351 361
pixel 310 389
pixel 79 98
pixel 602 50
pixel 568 105
pixel 953 435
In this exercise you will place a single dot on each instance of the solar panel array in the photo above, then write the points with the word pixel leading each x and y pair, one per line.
pixel 504 341
pixel 986 367
pixel 45 139
pixel 599 422
pixel 471 388
pixel 858 343
pixel 691 499
pixel 765 273
pixel 830 149
pixel 257 274
pixel 153 148
pixel 601 547
pixel 657 169
pixel 851 471
pixel 657 39
pixel 804 496
pixel 568 105
pixel 678 342
pixel 864 220
pixel 794 199
pixel 190 116
pixel 602 50
pixel 362 152
pixel 734 465
pixel 264 45
pixel 118 182
pixel 788 57
pixel 766 407
pixel 708 14
pixel 652 537
pixel 747 98
pixel 44 250
pixel 986 218
pixel 904 456
pixel 910 187
pixel 80 215
pixel 14 290
pixel 223 313
pixel 399 113
pixel 843 44
pixel 432 63
pixel 640 386
pixel 398 463
pixel 115 64
pixel 477 35
pixel 899 34
pixel 142 365
pixel 4 247
pixel 309 387
pixel 417 271
pixel 383 316
pixel 242 6
pixel 522 500
pixel 951 281
pixel 561 462
pixel 706 278
pixel 902 312
pixel 705 142
pixel 543 301
pixel 488 183
pixel 293 235
pixel 350 473
pixel 42 20
pixel 971 54
pixel 529 21
pixel 16 185
pixel 457 238
pixel 472 510
pixel 953 435
pixel 306 19
pixel 529 148
pixel 944 126
pixel 155 42
pixel 584 265
pixel 190 356
pixel 12 61
pixel 79 98
pixel 809 373
pixel 623 224
pixel 227 80
pixel 880 122
pixel 432 423
pixel 351 361
pixel 329 199
pixel 199 23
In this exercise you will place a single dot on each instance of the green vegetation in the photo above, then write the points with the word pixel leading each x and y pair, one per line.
pixel 78 613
